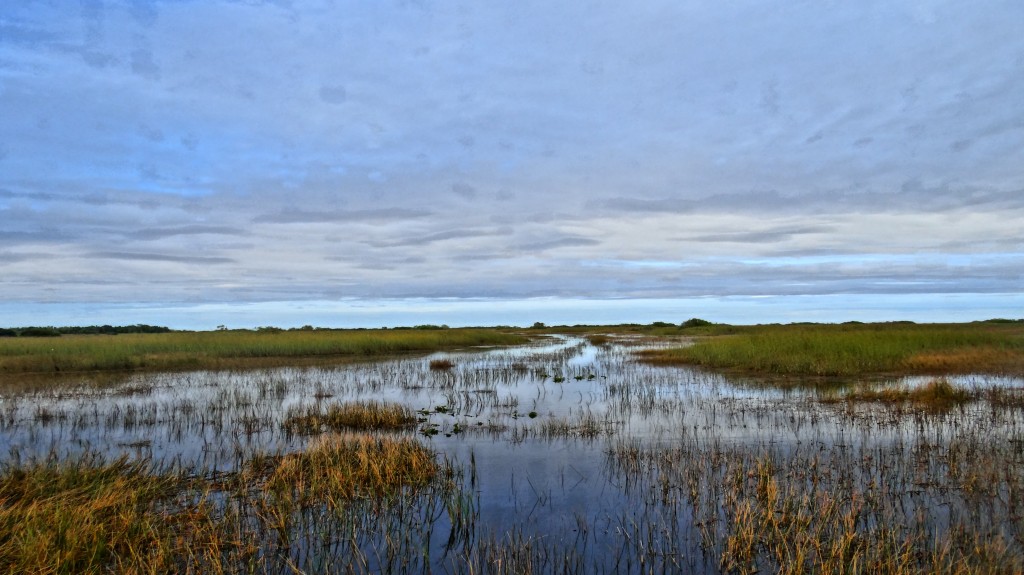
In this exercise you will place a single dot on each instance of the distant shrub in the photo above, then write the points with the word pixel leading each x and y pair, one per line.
pixel 538 325
pixel 662 324
pixel 4 332
pixel 39 332
pixel 431 326
pixel 695 322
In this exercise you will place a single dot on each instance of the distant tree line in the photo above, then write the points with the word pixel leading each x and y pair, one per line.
pixel 50 331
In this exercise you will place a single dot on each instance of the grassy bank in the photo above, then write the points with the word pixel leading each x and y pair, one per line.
pixel 227 349
pixel 858 349
pixel 93 516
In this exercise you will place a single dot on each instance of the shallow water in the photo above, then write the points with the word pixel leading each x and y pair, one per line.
pixel 543 430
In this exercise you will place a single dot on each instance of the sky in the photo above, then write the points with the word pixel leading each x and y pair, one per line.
pixel 200 163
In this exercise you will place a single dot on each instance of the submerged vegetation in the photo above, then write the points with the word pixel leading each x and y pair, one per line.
pixel 858 349
pixel 228 349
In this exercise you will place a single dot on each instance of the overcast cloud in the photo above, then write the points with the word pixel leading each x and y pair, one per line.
pixel 185 153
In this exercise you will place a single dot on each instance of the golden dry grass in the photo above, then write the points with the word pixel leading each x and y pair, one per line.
pixel 353 415
pixel 937 394
pixel 349 465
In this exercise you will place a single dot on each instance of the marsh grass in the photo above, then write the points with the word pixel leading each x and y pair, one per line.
pixel 918 508
pixel 82 516
pixel 860 349
pixel 350 465
pixel 228 349
pixel 88 515
pixel 355 415
pixel 779 525
pixel 937 394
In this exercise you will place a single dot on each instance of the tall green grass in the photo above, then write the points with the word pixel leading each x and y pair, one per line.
pixel 835 350
pixel 223 349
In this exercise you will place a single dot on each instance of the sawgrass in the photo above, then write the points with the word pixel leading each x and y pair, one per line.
pixel 228 349
pixel 858 349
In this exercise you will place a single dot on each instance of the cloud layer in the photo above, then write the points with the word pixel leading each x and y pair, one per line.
pixel 225 151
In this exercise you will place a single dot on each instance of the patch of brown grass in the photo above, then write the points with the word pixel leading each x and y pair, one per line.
pixel 350 465
pixel 987 359
pixel 441 364
pixel 364 415
pixel 92 516
pixel 936 394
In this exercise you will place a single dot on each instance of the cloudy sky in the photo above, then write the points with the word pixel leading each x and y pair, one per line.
pixel 194 163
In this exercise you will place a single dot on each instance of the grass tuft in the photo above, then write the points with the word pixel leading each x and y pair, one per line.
pixel 937 394
pixel 356 415
pixel 441 364
pixel 351 465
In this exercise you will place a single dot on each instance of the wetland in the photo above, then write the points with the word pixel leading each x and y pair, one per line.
pixel 584 451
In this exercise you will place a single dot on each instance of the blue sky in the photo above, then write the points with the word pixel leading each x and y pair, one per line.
pixel 194 163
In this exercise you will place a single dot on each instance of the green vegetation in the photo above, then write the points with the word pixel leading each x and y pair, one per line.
pixel 50 331
pixel 228 349
pixel 858 349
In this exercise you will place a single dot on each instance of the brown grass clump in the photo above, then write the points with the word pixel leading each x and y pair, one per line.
pixel 936 394
pixel 441 364
pixel 92 516
pixel 598 339
pixel 364 415
pixel 350 465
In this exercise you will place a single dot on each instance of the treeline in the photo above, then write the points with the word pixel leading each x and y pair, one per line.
pixel 50 331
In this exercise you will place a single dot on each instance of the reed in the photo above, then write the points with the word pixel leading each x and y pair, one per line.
pixel 847 350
